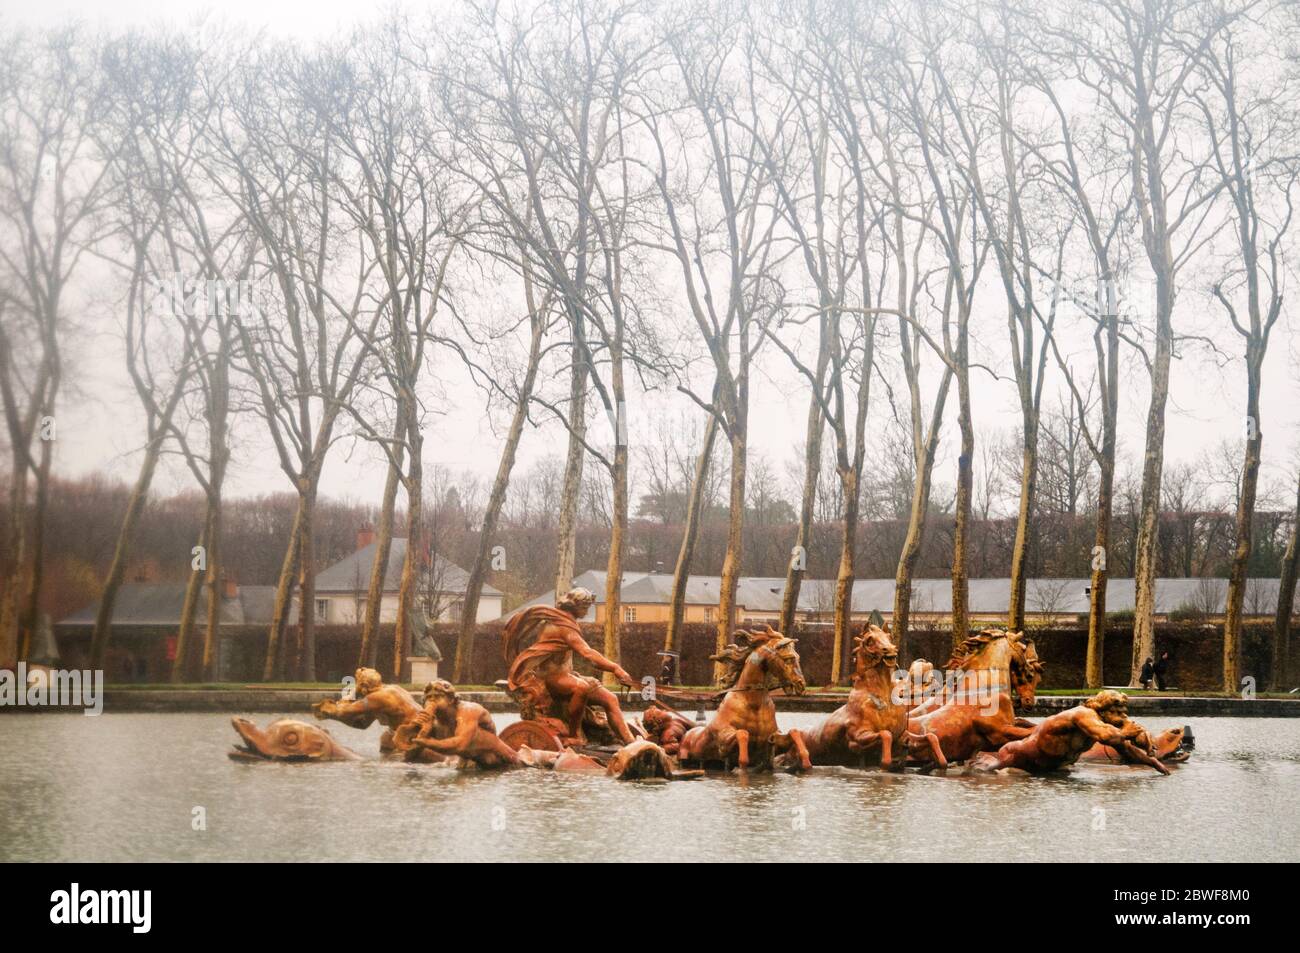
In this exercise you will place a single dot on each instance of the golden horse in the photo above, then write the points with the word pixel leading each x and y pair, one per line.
pixel 977 713
pixel 744 726
pixel 874 720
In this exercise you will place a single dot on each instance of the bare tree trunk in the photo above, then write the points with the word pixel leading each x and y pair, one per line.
pixel 1093 672
pixel 916 521
pixel 30 617
pixel 566 552
pixel 614 567
pixel 735 530
pixel 383 546
pixel 411 568
pixel 912 549
pixel 213 584
pixel 1144 581
pixel 1024 517
pixel 844 577
pixel 15 562
pixel 189 609
pixel 965 487
pixel 682 571
pixel 305 661
pixel 1094 662
pixel 797 565
pixel 121 551
pixel 1285 604
pixel 218 455
pixel 275 640
pixel 497 500
pixel 1245 516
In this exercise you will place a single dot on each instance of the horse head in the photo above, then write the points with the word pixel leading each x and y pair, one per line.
pixel 987 650
pixel 873 649
pixel 770 652
pixel 1025 669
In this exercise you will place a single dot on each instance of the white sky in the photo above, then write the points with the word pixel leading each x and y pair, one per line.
pixel 98 429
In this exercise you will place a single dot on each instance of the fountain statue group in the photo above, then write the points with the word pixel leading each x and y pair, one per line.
pixel 571 722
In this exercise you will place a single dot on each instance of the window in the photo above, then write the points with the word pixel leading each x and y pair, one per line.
pixel 629 613
pixel 710 613
pixel 322 608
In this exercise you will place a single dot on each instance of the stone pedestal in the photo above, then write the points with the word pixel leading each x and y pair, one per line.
pixel 423 669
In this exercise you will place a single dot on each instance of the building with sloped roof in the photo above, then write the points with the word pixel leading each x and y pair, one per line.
pixel 147 615
pixel 342 589
pixel 646 597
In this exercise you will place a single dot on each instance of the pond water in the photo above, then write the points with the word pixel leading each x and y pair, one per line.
pixel 125 787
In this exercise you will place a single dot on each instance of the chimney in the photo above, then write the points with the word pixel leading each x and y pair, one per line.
pixel 229 586
pixel 365 534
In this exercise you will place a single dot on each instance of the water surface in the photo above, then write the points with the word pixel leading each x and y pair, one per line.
pixel 125 786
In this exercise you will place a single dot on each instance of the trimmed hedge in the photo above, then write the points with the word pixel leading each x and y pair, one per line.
pixel 1195 652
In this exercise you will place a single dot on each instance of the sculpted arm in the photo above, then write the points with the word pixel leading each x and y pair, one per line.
pixel 598 661
pixel 1117 738
pixel 357 714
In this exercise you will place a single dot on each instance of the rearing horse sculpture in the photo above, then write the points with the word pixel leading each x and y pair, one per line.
pixel 993 661
pixel 872 721
pixel 744 726
pixel 979 714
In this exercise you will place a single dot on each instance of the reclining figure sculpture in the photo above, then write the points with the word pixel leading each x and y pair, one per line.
pixel 665 727
pixel 1058 742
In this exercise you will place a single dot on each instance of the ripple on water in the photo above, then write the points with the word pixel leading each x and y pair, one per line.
pixel 123 787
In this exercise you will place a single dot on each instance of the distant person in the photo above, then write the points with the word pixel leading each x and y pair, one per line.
pixel 668 671
pixel 1161 670
pixel 1148 671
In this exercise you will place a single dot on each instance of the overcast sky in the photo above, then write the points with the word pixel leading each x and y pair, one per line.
pixel 99 429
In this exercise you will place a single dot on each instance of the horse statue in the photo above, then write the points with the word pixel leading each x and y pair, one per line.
pixel 873 721
pixel 744 726
pixel 993 661
pixel 979 712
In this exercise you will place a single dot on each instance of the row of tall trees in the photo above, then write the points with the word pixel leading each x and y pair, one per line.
pixel 583 202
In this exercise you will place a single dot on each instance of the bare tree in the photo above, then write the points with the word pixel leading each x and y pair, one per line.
pixel 690 534
pixel 1098 188
pixel 539 321
pixel 1286 603
pixel 565 126
pixel 161 111
pixel 1251 128
pixel 303 344
pixel 54 179
pixel 729 195
pixel 1139 63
